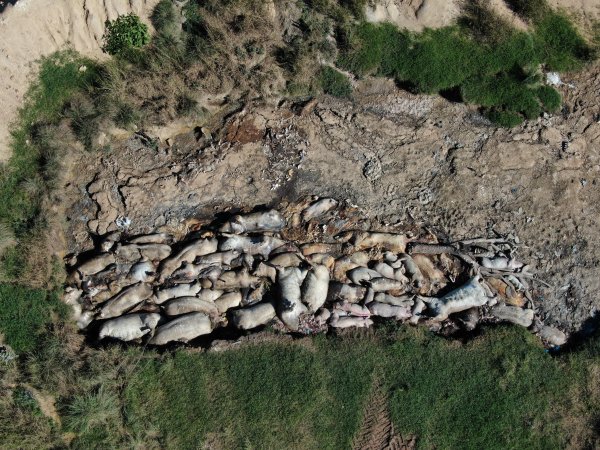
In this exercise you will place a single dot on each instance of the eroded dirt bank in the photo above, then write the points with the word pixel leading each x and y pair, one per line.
pixel 32 29
pixel 399 157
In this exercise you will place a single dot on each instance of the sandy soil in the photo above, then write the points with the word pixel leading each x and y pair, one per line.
pixel 34 28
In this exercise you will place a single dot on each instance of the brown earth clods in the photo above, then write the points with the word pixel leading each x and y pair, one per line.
pixel 401 158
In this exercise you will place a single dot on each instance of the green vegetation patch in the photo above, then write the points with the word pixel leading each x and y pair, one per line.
pixel 37 148
pixel 126 32
pixel 271 396
pixel 500 390
pixel 335 83
pixel 25 312
pixel 500 74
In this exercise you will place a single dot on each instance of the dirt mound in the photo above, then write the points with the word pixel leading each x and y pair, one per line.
pixel 414 14
pixel 35 28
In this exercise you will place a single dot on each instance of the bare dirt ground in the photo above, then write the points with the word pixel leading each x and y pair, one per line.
pixel 32 29
pixel 399 157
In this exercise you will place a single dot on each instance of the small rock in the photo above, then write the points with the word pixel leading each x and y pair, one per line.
pixel 372 170
pixel 552 336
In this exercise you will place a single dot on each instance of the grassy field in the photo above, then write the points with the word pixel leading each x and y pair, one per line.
pixel 499 390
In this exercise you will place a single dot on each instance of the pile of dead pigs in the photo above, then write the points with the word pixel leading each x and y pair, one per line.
pixel 305 269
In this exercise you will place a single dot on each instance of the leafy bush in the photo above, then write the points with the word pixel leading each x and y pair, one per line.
pixel 335 83
pixel 124 33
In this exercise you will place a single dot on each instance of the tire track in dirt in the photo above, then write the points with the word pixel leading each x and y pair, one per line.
pixel 377 430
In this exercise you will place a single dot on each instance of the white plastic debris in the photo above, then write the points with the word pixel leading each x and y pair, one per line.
pixel 123 223
pixel 553 78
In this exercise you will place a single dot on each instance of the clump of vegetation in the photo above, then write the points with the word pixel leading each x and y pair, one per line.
pixel 492 65
pixel 25 313
pixel 483 22
pixel 335 83
pixel 550 98
pixel 23 399
pixel 38 143
pixel 125 33
pixel 531 10
pixel 164 17
pixel 125 116
pixel 559 46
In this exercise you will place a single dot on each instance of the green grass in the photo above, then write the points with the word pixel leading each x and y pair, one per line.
pixel 25 313
pixel 500 390
pixel 499 75
pixel 164 17
pixel 334 83
pixel 37 146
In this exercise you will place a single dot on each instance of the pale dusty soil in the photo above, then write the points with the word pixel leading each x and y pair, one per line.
pixel 400 157
pixel 35 28
pixel 419 14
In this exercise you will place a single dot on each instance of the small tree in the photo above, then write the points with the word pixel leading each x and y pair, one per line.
pixel 124 33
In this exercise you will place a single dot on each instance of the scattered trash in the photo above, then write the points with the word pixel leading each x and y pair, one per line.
pixel 553 79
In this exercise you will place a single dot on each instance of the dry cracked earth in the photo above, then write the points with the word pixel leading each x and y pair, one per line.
pixel 401 158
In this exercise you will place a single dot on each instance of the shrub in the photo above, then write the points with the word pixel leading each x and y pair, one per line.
pixel 549 97
pixel 508 119
pixel 334 83
pixel 124 33
pixel 164 16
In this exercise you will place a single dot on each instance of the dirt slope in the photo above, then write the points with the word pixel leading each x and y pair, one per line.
pixel 398 156
pixel 34 28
